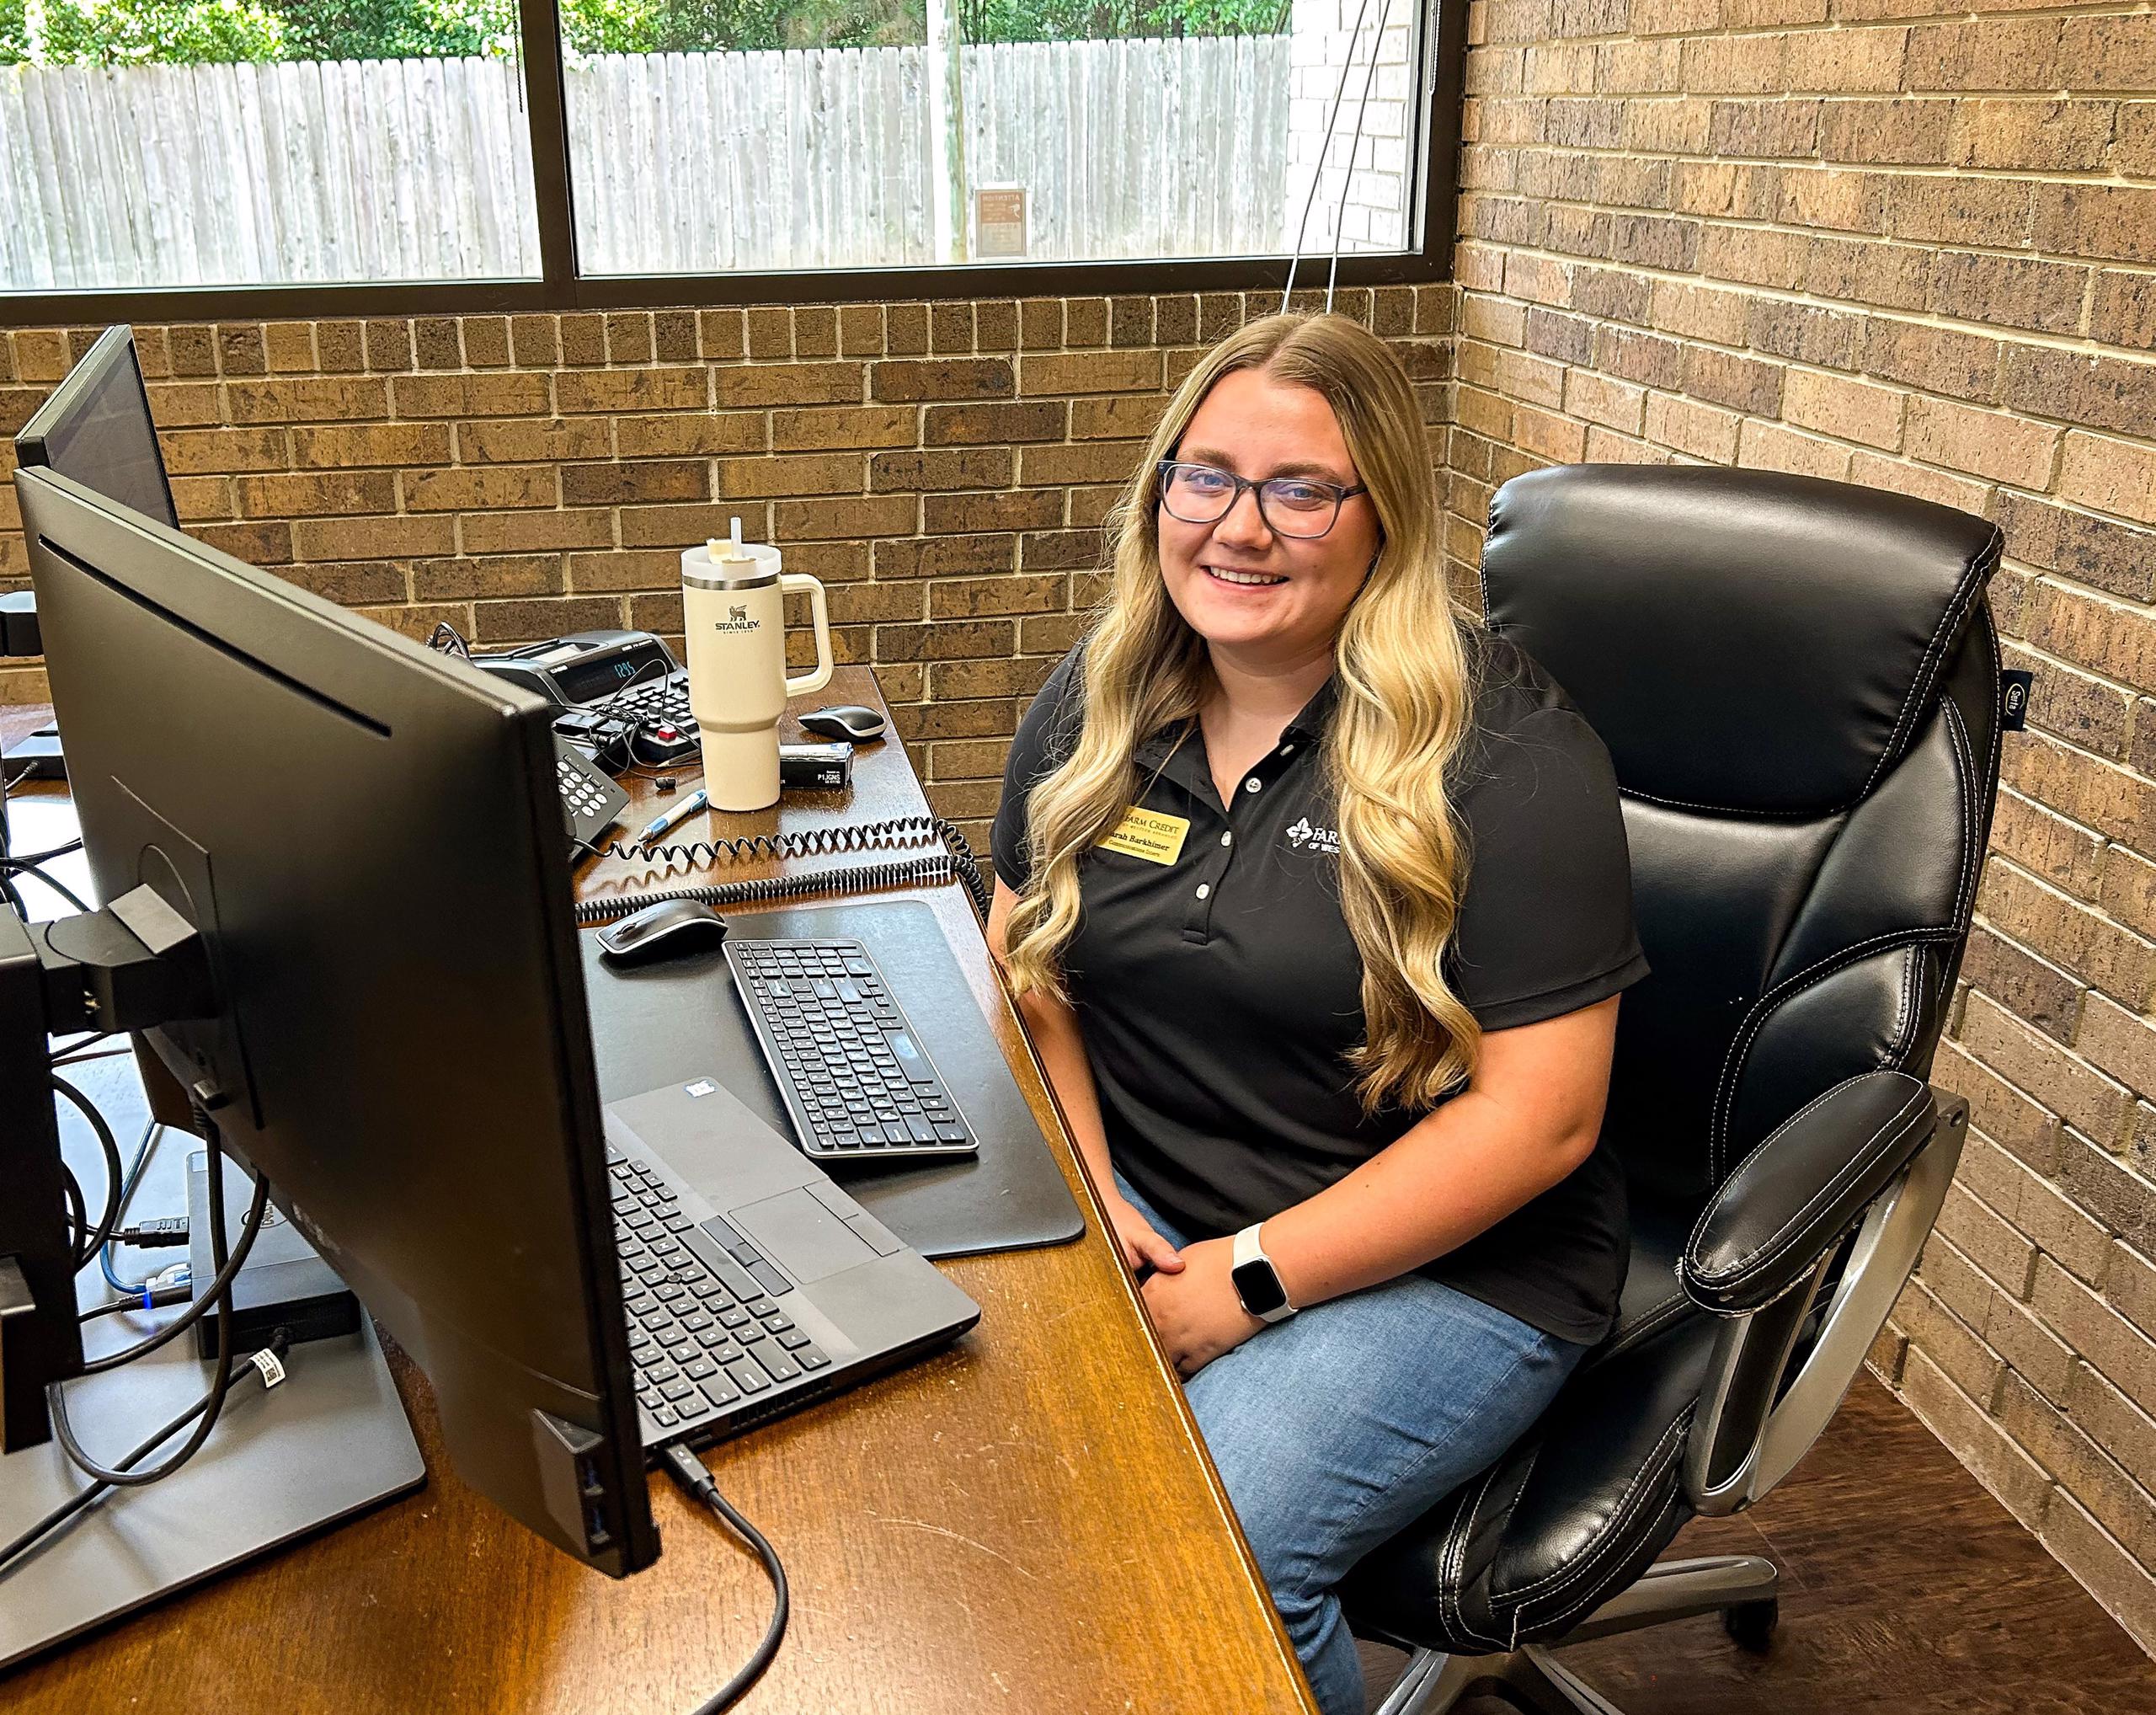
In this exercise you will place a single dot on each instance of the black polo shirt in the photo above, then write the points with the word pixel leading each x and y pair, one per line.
pixel 1218 990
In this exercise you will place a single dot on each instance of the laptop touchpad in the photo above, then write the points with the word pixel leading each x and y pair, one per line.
pixel 802 1236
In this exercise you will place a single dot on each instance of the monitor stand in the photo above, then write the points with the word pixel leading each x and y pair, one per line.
pixel 327 1442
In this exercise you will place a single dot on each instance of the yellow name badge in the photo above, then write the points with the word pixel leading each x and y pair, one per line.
pixel 1147 833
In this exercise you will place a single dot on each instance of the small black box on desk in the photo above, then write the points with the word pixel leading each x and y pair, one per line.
pixel 285 1284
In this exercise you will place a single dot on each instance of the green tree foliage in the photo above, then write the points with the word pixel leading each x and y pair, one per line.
pixel 144 32
pixel 195 32
pixel 374 29
pixel 695 26
pixel 1073 20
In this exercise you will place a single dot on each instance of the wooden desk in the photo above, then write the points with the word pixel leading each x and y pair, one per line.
pixel 1026 1522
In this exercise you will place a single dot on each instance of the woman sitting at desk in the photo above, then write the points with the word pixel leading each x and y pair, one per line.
pixel 1316 900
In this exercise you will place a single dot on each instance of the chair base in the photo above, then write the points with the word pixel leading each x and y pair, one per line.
pixel 1740 1586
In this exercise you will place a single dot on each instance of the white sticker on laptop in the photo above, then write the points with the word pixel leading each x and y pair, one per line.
pixel 702 1086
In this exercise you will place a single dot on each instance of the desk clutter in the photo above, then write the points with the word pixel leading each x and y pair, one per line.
pixel 625 705
pixel 671 1021
pixel 625 708
pixel 599 1209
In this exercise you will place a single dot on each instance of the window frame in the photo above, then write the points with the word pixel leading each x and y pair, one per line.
pixel 561 289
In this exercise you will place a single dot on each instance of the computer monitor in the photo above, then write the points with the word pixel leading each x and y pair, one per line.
pixel 367 836
pixel 97 428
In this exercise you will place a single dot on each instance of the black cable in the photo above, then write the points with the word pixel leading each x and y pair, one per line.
pixel 210 1292
pixel 127 1477
pixel 115 1174
pixel 75 1503
pixel 966 864
pixel 145 1146
pixel 67 850
pixel 88 1039
pixel 805 842
pixel 78 1212
pixel 152 1235
pixel 874 878
pixel 15 866
pixel 212 1186
pixel 956 860
pixel 217 1293
pixel 121 1476
pixel 78 1056
pixel 147 1297
pixel 689 1471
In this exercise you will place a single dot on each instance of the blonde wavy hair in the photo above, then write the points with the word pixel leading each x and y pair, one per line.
pixel 1403 664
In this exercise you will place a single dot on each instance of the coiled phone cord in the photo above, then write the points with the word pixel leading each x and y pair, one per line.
pixel 956 860
pixel 807 842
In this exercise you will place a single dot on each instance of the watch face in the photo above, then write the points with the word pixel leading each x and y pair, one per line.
pixel 1259 1287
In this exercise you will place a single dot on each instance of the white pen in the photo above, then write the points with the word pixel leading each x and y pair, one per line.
pixel 687 807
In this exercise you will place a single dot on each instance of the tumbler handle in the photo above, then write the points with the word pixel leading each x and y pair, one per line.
pixel 820 614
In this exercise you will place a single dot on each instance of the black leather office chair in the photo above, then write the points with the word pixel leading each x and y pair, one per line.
pixel 1799 683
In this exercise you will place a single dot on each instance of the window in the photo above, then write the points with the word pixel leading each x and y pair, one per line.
pixel 161 143
pixel 382 152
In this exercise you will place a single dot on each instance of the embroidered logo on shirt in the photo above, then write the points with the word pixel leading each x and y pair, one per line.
pixel 1317 839
pixel 1148 834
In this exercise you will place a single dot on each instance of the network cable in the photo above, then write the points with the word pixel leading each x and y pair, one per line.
pixel 217 1295
pixel 213 1289
pixel 144 1148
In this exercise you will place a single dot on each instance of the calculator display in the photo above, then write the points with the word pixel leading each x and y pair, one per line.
pixel 599 676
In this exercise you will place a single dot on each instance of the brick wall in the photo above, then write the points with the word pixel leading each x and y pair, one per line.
pixel 1878 241
pixel 1858 239
pixel 944 468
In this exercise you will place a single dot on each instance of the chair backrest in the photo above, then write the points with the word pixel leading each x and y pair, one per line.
pixel 1798 682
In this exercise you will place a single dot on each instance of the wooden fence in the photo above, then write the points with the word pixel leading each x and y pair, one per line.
pixel 420 170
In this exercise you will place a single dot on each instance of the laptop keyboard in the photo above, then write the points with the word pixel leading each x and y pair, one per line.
pixel 856 1080
pixel 708 1320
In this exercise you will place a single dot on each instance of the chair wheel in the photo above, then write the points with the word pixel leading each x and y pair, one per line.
pixel 1751 1624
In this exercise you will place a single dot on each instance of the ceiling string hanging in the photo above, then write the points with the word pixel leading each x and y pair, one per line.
pixel 1325 148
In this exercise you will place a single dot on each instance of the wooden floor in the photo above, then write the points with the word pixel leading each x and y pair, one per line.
pixel 1906 1589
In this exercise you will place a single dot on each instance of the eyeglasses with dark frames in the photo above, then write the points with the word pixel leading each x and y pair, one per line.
pixel 1302 507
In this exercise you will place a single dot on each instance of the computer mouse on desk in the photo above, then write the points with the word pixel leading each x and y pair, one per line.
pixel 664 930
pixel 845 720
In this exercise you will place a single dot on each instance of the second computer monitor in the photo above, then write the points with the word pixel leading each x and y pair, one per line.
pixel 367 837
pixel 97 428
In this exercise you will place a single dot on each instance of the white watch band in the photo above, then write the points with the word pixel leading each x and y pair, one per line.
pixel 1249 1250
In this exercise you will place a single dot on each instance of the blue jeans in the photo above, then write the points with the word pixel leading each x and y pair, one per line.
pixel 1340 1426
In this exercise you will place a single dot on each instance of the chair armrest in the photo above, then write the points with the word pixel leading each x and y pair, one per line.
pixel 1807 1182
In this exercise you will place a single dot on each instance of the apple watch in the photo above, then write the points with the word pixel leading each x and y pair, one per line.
pixel 1257 1283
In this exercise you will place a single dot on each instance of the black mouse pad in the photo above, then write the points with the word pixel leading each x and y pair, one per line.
pixel 681 1017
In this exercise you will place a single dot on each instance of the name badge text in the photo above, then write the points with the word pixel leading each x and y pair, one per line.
pixel 1148 834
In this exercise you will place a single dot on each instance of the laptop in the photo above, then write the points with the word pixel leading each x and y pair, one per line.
pixel 754 1284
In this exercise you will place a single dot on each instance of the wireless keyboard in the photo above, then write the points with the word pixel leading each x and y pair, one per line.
pixel 856 1081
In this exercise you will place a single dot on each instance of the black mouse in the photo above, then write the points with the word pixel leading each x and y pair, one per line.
pixel 845 720
pixel 664 930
